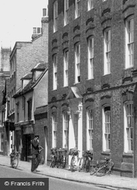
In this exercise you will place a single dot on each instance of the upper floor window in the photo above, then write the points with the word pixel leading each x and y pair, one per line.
pixel 129 37
pixel 90 58
pixel 17 111
pixel 77 63
pixel 89 130
pixel 77 8
pixel 55 15
pixel 29 109
pixel 106 128
pixel 128 128
pixel 90 5
pixel 65 68
pixel 55 72
pixel 66 8
pixel 107 51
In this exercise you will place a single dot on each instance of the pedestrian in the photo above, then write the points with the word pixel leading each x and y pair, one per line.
pixel 35 153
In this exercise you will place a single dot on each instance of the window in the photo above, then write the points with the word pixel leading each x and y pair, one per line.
pixel 129 37
pixel 54 131
pixel 77 8
pixel 17 109
pixel 65 68
pixel 128 128
pixel 55 72
pixel 107 51
pixel 77 63
pixel 65 129
pixel 66 8
pixel 90 5
pixel 55 15
pixel 90 58
pixel 106 128
pixel 89 130
pixel 29 109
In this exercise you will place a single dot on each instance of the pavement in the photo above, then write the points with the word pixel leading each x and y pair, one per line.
pixel 108 181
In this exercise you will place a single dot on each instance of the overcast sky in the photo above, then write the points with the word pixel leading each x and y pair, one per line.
pixel 17 19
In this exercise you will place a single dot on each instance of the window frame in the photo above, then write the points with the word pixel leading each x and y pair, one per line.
pixel 54 71
pixel 129 43
pixel 106 112
pixel 66 9
pixel 55 16
pixel 90 4
pixel 77 62
pixel 90 127
pixel 107 51
pixel 65 66
pixel 54 131
pixel 77 8
pixel 65 119
pixel 128 130
pixel 91 57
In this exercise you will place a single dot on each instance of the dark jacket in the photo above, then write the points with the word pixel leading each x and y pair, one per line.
pixel 35 146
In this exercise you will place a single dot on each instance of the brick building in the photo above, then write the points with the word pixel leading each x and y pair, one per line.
pixel 92 79
pixel 24 56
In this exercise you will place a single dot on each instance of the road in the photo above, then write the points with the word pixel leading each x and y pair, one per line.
pixel 54 184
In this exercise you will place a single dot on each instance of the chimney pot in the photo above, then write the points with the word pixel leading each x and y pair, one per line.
pixel 44 11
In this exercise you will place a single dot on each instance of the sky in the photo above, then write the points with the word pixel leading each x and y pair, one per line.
pixel 17 19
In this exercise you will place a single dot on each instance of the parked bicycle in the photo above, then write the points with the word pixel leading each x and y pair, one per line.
pixel 103 167
pixel 58 157
pixel 85 161
pixel 74 152
pixel 14 158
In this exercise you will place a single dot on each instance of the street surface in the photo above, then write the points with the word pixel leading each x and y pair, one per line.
pixel 54 184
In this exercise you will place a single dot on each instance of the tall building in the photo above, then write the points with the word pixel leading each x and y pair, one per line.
pixel 92 79
pixel 4 75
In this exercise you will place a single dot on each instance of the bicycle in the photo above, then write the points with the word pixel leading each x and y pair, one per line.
pixel 103 167
pixel 85 161
pixel 14 159
pixel 74 159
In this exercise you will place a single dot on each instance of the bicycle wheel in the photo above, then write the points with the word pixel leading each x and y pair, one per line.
pixel 101 171
pixel 15 162
pixel 80 165
pixel 93 170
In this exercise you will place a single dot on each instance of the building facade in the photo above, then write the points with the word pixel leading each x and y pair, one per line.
pixel 24 56
pixel 92 79
pixel 33 94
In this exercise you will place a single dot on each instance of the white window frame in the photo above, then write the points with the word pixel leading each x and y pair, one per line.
pixel 55 15
pixel 90 4
pixel 66 9
pixel 129 40
pixel 128 127
pixel 107 51
pixel 90 124
pixel 77 8
pixel 65 61
pixel 77 63
pixel 106 128
pixel 90 58
pixel 55 72
pixel 65 118
pixel 54 131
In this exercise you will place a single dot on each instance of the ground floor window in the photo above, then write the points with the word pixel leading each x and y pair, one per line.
pixel 128 127
pixel 54 131
pixel 106 128
pixel 89 116
pixel 65 129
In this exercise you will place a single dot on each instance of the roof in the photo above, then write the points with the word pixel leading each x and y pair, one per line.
pixel 30 86
pixel 27 76
pixel 40 66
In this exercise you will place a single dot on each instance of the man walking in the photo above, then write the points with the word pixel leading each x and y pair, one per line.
pixel 35 153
